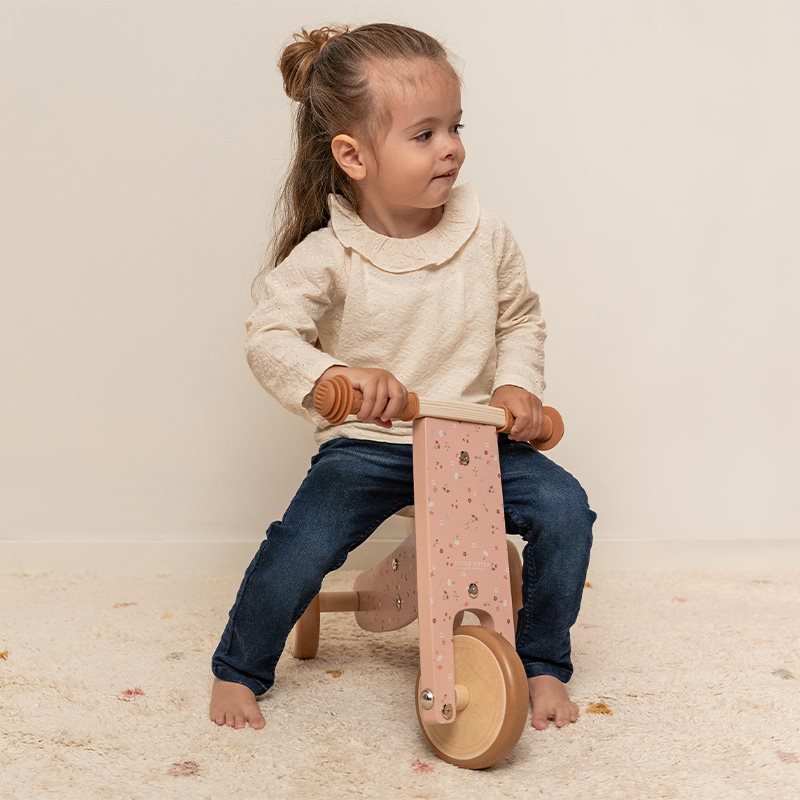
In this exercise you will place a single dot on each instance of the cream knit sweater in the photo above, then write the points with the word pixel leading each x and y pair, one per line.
pixel 449 313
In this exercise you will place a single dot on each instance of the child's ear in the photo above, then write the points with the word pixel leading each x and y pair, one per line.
pixel 347 152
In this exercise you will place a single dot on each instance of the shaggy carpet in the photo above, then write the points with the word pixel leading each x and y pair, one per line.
pixel 687 684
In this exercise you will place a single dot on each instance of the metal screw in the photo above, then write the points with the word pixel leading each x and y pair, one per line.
pixel 395 564
pixel 426 698
pixel 447 711
pixel 473 590
pixel 399 603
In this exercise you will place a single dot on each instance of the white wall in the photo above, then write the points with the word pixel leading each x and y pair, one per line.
pixel 644 153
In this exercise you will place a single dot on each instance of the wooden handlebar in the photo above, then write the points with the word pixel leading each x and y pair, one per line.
pixel 336 398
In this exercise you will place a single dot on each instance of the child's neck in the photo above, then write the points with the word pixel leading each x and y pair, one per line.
pixel 399 224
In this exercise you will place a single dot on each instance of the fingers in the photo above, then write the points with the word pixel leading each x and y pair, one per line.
pixel 522 422
pixel 527 420
pixel 383 397
pixel 525 409
pixel 398 397
pixel 375 396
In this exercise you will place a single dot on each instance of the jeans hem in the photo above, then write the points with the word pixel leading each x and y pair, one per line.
pixel 535 670
pixel 225 673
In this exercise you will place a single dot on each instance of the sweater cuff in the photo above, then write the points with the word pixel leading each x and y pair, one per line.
pixel 535 386
pixel 306 402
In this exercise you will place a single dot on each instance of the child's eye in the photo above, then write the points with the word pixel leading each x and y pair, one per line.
pixel 425 135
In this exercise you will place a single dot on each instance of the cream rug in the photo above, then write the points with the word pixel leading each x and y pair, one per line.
pixel 104 688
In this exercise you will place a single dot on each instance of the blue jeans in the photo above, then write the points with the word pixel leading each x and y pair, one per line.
pixel 354 485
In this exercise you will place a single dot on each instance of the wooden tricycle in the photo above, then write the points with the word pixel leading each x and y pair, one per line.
pixel 471 691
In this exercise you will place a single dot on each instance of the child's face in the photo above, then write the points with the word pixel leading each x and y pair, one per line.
pixel 422 144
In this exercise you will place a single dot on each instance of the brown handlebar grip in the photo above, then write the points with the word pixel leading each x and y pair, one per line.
pixel 552 428
pixel 335 398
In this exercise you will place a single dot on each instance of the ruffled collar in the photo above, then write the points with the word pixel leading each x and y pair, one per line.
pixel 440 243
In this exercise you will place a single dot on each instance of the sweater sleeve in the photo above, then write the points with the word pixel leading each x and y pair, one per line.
pixel 282 331
pixel 520 331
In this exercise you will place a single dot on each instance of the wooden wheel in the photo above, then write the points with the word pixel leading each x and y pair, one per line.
pixel 515 575
pixel 487 728
pixel 306 632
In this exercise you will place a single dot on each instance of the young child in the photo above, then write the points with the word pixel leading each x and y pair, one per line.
pixel 388 273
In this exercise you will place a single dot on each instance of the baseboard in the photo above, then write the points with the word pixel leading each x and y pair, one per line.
pixel 153 557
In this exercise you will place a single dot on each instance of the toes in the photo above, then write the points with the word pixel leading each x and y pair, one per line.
pixel 239 718
pixel 566 715
pixel 540 721
pixel 256 722
pixel 255 718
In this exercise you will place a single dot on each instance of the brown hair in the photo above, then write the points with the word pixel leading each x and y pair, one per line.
pixel 327 72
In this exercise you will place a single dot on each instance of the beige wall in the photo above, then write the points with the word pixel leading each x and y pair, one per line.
pixel 645 155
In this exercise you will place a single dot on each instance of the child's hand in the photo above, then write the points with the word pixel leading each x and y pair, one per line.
pixel 384 396
pixel 526 408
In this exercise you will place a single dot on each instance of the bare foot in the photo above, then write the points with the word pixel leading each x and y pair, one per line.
pixel 234 705
pixel 550 702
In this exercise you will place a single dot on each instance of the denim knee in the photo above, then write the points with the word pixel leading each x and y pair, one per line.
pixel 547 498
pixel 567 504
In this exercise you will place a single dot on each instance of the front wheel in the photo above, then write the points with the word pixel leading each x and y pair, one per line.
pixel 487 728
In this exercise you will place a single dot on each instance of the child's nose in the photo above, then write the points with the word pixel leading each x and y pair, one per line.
pixel 452 149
